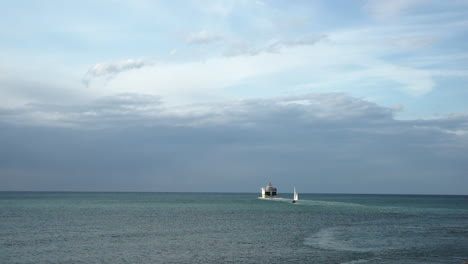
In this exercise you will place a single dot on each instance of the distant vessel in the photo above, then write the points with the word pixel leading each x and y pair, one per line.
pixel 269 191
pixel 295 196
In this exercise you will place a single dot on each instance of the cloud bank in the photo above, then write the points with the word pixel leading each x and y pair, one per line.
pixel 323 142
pixel 241 93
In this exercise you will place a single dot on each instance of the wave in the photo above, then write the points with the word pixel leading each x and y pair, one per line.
pixel 381 236
pixel 357 261
pixel 329 239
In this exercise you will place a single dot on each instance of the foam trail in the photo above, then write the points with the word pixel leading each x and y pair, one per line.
pixel 278 199
pixel 328 203
pixel 311 202
pixel 357 261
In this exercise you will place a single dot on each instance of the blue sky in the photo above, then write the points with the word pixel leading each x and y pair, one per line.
pixel 409 53
pixel 101 66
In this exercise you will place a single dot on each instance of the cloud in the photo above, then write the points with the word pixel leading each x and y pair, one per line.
pixel 260 3
pixel 239 48
pixel 415 42
pixel 196 80
pixel 202 37
pixel 324 142
pixel 389 9
pixel 112 68
pixel 17 90
pixel 140 109
pixel 326 56
pixel 149 109
pixel 381 56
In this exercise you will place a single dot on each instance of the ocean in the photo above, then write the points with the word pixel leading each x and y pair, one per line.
pixel 75 227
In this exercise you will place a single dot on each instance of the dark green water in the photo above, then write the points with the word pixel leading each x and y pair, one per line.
pixel 47 227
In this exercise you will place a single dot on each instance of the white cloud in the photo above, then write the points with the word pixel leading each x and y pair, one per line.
pixel 185 81
pixel 415 42
pixel 218 8
pixel 412 81
pixel 260 3
pixel 349 60
pixel 203 37
pixel 192 80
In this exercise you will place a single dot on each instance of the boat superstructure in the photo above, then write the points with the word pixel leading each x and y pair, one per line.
pixel 269 191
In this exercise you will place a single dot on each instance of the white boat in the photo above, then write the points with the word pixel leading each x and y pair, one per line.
pixel 295 196
pixel 268 192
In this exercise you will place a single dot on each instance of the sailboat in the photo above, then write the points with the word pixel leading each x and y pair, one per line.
pixel 295 196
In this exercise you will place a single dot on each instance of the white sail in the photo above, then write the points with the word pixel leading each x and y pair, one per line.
pixel 296 195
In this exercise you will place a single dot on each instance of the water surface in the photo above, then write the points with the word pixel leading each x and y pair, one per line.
pixel 55 227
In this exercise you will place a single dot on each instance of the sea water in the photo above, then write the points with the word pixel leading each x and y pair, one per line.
pixel 70 227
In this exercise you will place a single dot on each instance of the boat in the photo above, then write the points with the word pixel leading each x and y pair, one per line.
pixel 269 191
pixel 295 196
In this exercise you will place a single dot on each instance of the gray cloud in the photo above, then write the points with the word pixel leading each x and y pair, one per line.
pixel 35 90
pixel 390 9
pixel 303 41
pixel 244 48
pixel 147 108
pixel 112 68
pixel 321 142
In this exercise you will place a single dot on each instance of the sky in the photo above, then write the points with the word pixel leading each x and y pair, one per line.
pixel 363 96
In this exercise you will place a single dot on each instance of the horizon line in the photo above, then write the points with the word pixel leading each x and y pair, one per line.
pixel 229 192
